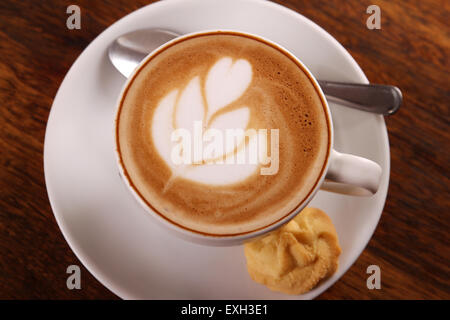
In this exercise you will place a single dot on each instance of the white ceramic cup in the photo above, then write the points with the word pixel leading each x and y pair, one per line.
pixel 343 173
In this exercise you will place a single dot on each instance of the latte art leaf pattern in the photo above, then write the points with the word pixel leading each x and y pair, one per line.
pixel 226 81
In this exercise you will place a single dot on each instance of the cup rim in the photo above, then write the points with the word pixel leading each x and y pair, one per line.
pixel 199 236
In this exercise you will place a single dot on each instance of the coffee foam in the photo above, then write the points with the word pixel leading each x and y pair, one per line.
pixel 225 81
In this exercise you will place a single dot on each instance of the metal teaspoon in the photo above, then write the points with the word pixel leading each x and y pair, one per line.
pixel 128 50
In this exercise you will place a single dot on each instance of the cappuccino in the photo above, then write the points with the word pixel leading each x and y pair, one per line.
pixel 222 133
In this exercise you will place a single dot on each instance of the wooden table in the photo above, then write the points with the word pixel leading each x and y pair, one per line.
pixel 411 50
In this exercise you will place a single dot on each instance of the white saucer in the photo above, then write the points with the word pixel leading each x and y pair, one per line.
pixel 107 229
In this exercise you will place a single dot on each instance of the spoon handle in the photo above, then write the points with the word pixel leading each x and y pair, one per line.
pixel 377 98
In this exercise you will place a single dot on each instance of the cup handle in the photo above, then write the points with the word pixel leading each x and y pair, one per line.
pixel 352 171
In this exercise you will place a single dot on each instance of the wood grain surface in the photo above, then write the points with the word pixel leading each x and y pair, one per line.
pixel 411 243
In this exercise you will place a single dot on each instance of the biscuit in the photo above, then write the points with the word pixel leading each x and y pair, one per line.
pixel 294 258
